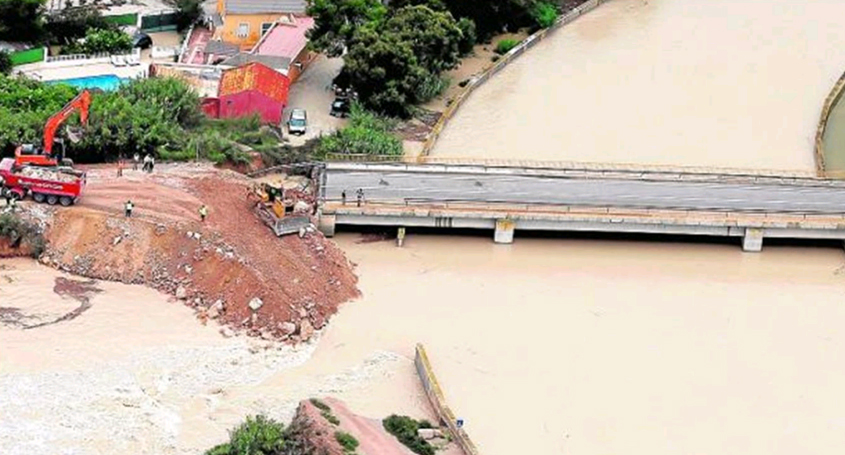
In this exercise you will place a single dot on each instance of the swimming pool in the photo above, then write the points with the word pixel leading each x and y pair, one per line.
pixel 105 82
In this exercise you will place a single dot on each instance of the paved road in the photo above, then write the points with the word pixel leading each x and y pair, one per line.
pixel 402 186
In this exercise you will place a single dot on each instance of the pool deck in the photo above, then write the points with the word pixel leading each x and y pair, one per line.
pixel 46 73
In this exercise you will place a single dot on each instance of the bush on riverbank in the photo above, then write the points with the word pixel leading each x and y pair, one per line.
pixel 259 435
pixel 405 430
pixel 544 14
pixel 504 46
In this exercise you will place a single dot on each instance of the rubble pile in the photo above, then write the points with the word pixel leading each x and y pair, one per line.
pixel 231 268
pixel 47 174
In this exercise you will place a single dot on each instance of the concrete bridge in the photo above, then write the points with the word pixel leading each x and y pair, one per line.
pixel 505 199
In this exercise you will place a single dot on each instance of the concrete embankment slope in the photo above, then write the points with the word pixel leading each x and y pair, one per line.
pixel 438 401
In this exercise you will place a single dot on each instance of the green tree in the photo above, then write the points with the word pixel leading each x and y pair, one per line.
pixel 384 71
pixel 468 35
pixel 5 62
pixel 108 40
pixel 336 22
pixel 188 12
pixel 544 14
pixel 22 21
pixel 493 16
pixel 257 436
pixel 434 36
pixel 71 24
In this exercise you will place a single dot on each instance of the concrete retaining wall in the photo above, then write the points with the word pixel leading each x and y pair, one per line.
pixel 438 402
pixel 506 60
pixel 832 99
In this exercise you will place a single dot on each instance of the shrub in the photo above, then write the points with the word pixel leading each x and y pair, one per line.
pixel 463 83
pixel 19 232
pixel 504 46
pixel 367 133
pixel 468 35
pixel 544 14
pixel 430 87
pixel 405 429
pixel 320 405
pixel 5 62
pixel 330 418
pixel 101 40
pixel 257 436
pixel 346 440
pixel 494 58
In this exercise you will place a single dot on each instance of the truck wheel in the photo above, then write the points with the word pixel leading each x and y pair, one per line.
pixel 52 199
pixel 38 197
pixel 65 201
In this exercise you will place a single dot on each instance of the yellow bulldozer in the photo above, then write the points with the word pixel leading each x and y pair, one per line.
pixel 274 211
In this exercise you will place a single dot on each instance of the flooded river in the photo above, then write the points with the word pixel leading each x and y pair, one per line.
pixel 554 346
pixel 547 346
pixel 725 83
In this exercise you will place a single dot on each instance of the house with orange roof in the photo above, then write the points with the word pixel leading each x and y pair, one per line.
pixel 250 89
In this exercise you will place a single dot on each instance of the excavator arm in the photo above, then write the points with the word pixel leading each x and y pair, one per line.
pixel 82 102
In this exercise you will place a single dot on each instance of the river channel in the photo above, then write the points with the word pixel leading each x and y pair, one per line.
pixel 721 83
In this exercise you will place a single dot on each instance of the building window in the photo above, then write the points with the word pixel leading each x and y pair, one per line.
pixel 243 30
pixel 265 27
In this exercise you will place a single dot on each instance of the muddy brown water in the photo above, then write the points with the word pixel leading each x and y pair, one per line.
pixel 725 83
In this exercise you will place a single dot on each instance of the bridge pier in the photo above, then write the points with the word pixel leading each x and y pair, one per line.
pixel 326 224
pixel 504 231
pixel 752 241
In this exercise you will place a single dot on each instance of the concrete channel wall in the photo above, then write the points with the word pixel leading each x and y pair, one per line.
pixel 829 102
pixel 438 402
pixel 506 60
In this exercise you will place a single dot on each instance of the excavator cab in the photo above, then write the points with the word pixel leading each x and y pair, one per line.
pixel 33 155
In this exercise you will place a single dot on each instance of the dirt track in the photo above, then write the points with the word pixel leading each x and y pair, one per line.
pixel 218 266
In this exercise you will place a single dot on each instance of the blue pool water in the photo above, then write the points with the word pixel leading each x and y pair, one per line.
pixel 105 82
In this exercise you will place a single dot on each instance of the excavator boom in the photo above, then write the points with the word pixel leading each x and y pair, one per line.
pixel 82 102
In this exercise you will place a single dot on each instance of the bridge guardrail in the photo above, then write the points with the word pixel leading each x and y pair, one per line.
pixel 501 205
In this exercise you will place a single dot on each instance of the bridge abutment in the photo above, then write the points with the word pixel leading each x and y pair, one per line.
pixel 752 241
pixel 504 231
pixel 326 225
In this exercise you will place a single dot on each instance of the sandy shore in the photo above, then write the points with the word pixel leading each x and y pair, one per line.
pixel 137 374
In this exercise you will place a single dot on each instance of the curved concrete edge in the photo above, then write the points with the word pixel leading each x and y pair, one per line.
pixel 438 401
pixel 504 61
pixel 832 98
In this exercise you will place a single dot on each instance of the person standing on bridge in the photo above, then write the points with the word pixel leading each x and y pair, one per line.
pixel 360 194
pixel 343 197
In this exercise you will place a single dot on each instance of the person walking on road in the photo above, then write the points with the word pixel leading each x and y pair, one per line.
pixel 120 167
pixel 360 193
pixel 203 212
pixel 127 208
pixel 152 164
pixel 147 163
pixel 343 197
pixel 136 159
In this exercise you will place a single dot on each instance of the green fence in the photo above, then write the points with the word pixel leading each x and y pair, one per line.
pixel 28 56
pixel 158 22
pixel 123 19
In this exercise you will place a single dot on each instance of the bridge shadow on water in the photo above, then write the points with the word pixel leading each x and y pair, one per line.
pixel 377 233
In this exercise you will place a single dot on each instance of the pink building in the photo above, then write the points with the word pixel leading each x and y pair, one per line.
pixel 251 89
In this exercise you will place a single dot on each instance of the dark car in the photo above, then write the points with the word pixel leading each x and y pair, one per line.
pixel 142 40
pixel 340 107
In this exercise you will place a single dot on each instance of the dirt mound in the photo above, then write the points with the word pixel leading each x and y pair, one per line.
pixel 314 430
pixel 230 268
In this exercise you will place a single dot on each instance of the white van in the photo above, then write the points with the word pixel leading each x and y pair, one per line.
pixel 297 122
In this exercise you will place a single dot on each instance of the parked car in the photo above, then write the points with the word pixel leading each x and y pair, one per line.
pixel 298 121
pixel 142 40
pixel 340 107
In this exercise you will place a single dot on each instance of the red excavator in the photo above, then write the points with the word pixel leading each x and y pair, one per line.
pixel 32 155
